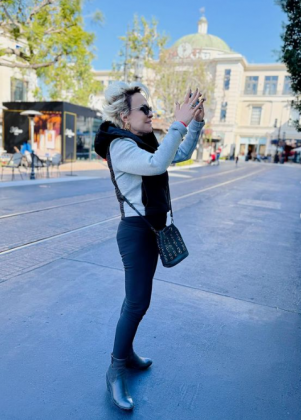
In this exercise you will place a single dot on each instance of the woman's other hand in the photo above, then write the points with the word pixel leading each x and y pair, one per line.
pixel 189 109
pixel 200 113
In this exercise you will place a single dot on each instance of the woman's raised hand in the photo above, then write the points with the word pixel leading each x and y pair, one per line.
pixel 189 109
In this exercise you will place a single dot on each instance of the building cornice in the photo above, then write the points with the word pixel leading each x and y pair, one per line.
pixel 266 66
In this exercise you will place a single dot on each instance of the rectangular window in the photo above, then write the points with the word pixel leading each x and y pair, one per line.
pixel 205 55
pixel 262 149
pixel 223 115
pixel 251 85
pixel 294 117
pixel 256 115
pixel 18 90
pixel 227 77
pixel 270 85
pixel 287 90
pixel 242 149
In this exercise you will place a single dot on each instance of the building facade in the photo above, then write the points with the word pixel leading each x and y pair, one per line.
pixel 15 84
pixel 252 102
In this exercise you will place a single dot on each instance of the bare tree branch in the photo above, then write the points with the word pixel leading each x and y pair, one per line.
pixel 14 23
pixel 14 51
pixel 57 31
pixel 36 9
pixel 30 66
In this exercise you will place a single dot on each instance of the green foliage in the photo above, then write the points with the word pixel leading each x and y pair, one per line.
pixel 186 162
pixel 291 48
pixel 57 47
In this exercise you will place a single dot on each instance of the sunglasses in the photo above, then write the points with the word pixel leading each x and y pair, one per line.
pixel 145 109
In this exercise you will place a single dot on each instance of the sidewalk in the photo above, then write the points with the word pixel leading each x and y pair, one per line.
pixel 75 171
pixel 71 171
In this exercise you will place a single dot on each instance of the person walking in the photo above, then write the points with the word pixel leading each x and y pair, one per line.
pixel 138 167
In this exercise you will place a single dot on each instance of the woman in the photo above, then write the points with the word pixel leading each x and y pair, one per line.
pixel 138 166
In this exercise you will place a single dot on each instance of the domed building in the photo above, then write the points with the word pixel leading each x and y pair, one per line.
pixel 251 107
pixel 251 110
pixel 200 45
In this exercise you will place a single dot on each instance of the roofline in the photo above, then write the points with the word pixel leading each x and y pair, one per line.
pixel 251 66
pixel 103 72
pixel 268 66
pixel 228 57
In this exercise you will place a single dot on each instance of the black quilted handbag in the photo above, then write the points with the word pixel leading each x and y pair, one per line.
pixel 172 248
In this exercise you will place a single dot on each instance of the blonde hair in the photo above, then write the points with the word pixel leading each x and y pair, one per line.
pixel 118 100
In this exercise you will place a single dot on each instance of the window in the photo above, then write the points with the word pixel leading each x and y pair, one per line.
pixel 18 90
pixel 223 115
pixel 251 85
pixel 287 90
pixel 270 85
pixel 256 115
pixel 294 117
pixel 227 77
pixel 205 55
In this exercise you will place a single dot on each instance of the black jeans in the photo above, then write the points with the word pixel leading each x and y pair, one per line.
pixel 139 253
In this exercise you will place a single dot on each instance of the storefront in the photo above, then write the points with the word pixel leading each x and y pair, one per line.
pixel 288 148
pixel 248 145
pixel 63 128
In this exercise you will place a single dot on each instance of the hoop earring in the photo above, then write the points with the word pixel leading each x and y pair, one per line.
pixel 127 126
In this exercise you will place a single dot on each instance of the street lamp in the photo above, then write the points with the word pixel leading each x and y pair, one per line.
pixel 3 108
pixel 138 68
pixel 31 114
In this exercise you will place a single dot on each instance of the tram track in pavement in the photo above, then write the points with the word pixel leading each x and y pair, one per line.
pixel 6 216
pixel 107 220
pixel 201 177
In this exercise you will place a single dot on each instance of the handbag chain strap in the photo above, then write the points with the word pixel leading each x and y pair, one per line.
pixel 137 211
pixel 133 207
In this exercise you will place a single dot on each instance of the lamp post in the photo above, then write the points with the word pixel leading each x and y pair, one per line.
pixel 138 68
pixel 3 108
pixel 31 114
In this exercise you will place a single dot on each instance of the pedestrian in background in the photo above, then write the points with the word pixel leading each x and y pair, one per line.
pixel 138 167
pixel 218 153
pixel 236 160
pixel 26 147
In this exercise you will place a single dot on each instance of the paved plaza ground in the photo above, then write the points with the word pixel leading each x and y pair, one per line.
pixel 223 328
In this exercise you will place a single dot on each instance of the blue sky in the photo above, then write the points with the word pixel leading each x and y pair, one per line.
pixel 252 28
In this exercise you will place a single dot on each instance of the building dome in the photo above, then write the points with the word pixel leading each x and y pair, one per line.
pixel 204 41
pixel 192 46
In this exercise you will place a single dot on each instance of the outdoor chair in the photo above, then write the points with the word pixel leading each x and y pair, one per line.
pixel 38 163
pixel 27 156
pixel 13 163
pixel 56 161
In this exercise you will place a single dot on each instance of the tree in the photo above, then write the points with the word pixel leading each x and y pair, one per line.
pixel 171 78
pixel 140 45
pixel 291 48
pixel 168 80
pixel 56 46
